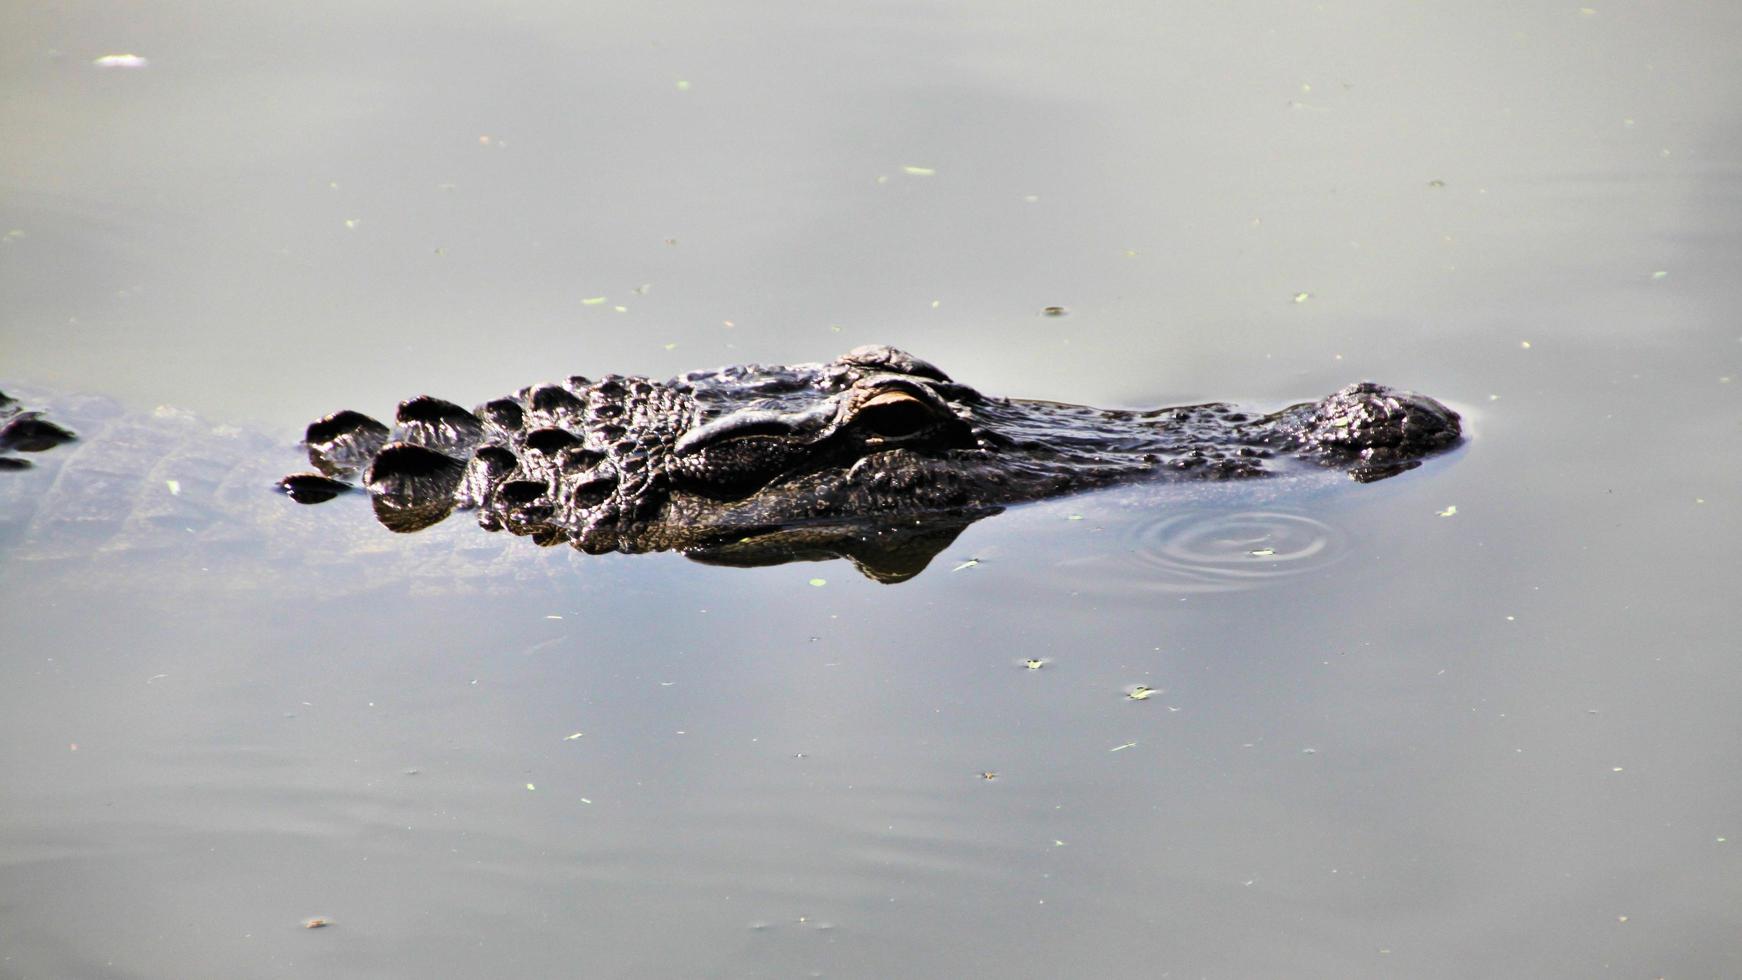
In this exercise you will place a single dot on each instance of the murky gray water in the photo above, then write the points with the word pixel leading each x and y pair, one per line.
pixel 1478 720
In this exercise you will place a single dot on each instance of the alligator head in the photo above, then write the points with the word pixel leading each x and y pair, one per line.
pixel 877 455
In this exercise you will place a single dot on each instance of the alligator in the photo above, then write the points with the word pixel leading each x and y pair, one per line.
pixel 26 432
pixel 877 456
pixel 811 455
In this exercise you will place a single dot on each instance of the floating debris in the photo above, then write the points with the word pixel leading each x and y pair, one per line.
pixel 1262 552
pixel 316 923
pixel 989 774
pixel 969 563
pixel 1035 663
pixel 571 738
pixel 1302 297
pixel 120 61
pixel 1121 748
pixel 1139 693
pixel 1450 511
pixel 1054 311
pixel 919 171
pixel 819 582
pixel 594 301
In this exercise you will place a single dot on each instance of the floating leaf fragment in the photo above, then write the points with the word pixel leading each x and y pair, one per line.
pixel 531 788
pixel 1054 311
pixel 1436 183
pixel 174 487
pixel 594 301
pixel 819 582
pixel 128 60
pixel 919 171
pixel 1302 297
pixel 316 923
pixel 1450 511
pixel 970 563
pixel 1034 663
pixel 571 738
pixel 683 85
pixel 1121 748
pixel 1262 552
pixel 1139 693
pixel 1660 274
pixel 989 774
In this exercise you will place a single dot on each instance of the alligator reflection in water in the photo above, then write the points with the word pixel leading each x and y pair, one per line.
pixel 876 456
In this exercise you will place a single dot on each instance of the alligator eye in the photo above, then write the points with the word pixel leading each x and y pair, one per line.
pixel 894 413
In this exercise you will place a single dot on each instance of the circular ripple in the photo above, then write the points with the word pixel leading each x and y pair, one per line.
pixel 1218 551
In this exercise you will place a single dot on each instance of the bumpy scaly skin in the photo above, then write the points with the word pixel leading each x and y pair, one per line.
pixel 697 462
pixel 27 432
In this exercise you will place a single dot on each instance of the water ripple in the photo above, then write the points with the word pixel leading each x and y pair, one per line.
pixel 1221 551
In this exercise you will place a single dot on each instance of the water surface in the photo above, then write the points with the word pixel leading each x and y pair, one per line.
pixel 1475 720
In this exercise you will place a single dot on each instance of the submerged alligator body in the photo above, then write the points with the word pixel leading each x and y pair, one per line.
pixel 876 455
